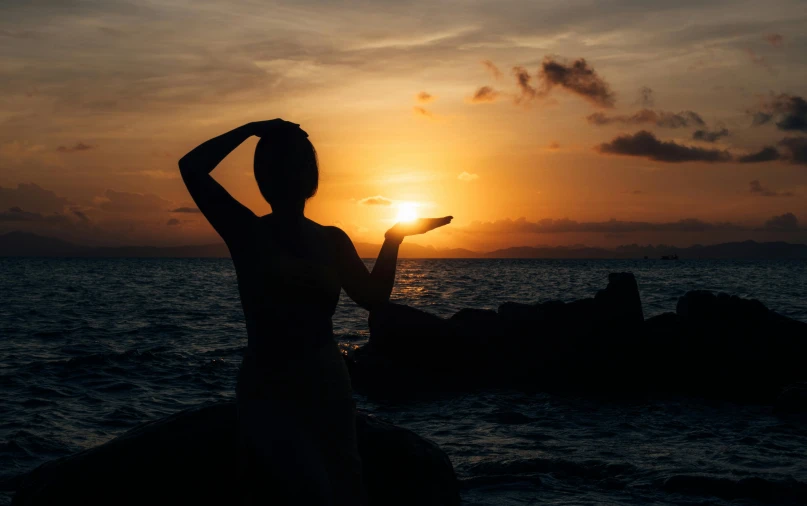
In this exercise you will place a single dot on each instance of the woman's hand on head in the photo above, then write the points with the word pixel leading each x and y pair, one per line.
pixel 415 227
pixel 276 126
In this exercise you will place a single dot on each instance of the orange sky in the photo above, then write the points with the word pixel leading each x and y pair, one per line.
pixel 99 99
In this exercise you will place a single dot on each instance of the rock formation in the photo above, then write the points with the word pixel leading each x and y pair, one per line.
pixel 189 458
pixel 714 345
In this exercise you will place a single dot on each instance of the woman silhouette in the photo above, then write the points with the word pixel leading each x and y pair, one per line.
pixel 296 414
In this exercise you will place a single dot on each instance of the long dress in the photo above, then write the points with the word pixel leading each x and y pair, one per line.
pixel 296 413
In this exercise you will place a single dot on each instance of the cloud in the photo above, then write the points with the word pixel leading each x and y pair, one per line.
pixel 659 118
pixel 17 214
pixel 645 144
pixel 121 202
pixel 709 136
pixel 775 39
pixel 173 222
pixel 420 111
pixel 795 149
pixel 785 222
pixel 80 215
pixel 790 110
pixel 553 145
pixel 492 68
pixel 484 95
pixel 646 97
pixel 565 225
pixel 186 210
pixel 578 78
pixel 425 98
pixel 79 146
pixel 766 154
pixel 756 188
pixel 468 177
pixel 524 83
pixel 378 200
pixel 32 196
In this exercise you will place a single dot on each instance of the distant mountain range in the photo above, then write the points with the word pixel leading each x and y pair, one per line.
pixel 21 244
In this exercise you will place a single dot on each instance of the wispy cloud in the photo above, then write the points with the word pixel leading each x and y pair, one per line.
pixel 756 188
pixel 422 112
pixel 484 95
pixel 424 97
pixel 378 200
pixel 77 147
pixel 468 177
pixel 492 68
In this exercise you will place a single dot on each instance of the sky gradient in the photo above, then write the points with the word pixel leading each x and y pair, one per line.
pixel 532 123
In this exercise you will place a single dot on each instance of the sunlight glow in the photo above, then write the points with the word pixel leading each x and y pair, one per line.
pixel 407 211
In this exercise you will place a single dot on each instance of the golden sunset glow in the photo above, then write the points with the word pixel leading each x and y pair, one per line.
pixel 407 211
pixel 647 139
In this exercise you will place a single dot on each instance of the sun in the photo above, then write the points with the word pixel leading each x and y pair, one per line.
pixel 407 211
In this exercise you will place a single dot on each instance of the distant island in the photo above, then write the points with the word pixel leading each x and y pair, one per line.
pixel 24 244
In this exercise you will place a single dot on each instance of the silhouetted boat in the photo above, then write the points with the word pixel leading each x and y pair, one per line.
pixel 670 257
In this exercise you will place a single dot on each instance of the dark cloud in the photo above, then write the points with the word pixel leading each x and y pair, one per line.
pixel 79 146
pixel 524 83
pixel 550 226
pixel 795 149
pixel 420 111
pixel 760 118
pixel 492 68
pixel 484 95
pixel 789 110
pixel 646 145
pixel 766 154
pixel 709 136
pixel 186 210
pixel 424 97
pixel 32 196
pixel 785 222
pixel 17 214
pixel 378 200
pixel 646 97
pixel 554 145
pixel 115 201
pixel 80 215
pixel 173 222
pixel 647 116
pixel 756 188
pixel 775 39
pixel 578 78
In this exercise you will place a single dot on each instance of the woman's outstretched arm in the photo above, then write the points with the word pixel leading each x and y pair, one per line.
pixel 372 290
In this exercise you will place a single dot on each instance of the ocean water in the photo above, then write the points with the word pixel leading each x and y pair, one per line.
pixel 92 347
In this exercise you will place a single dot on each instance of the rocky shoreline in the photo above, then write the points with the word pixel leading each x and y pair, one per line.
pixel 713 345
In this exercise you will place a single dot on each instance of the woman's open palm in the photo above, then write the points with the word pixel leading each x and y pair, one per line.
pixel 418 226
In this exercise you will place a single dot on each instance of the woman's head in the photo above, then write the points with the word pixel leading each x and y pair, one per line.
pixel 286 169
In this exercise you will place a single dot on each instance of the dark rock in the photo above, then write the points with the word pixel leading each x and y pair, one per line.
pixel 714 345
pixel 697 305
pixel 189 458
pixel 620 301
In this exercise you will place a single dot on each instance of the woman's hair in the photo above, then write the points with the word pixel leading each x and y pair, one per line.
pixel 286 169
